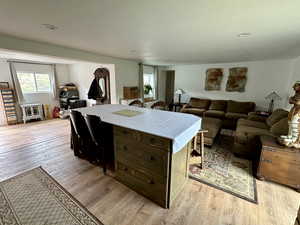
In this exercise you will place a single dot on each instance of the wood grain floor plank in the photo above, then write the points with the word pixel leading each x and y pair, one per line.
pixel 46 144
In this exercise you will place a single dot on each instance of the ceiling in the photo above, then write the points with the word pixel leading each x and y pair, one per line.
pixel 161 32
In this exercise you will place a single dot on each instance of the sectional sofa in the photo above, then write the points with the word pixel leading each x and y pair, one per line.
pixel 217 114
pixel 226 110
pixel 249 129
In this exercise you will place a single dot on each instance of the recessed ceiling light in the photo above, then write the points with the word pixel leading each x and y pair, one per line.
pixel 246 34
pixel 50 26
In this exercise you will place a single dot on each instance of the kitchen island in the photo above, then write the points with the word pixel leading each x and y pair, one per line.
pixel 151 148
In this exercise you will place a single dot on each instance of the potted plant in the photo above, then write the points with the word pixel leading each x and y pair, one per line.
pixel 147 89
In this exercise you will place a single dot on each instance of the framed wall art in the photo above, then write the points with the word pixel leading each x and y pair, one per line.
pixel 237 79
pixel 213 80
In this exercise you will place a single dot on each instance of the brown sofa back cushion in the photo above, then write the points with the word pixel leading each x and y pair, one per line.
pixel 219 105
pixel 199 103
pixel 240 107
pixel 277 115
pixel 281 127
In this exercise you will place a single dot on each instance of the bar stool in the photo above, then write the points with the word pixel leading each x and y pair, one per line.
pixel 98 132
pixel 199 151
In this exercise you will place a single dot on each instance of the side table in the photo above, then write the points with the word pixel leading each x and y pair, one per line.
pixel 279 163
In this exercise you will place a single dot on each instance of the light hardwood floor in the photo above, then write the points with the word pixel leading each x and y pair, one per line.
pixel 46 144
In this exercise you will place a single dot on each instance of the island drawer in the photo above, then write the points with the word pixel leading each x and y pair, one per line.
pixel 148 139
pixel 142 183
pixel 151 159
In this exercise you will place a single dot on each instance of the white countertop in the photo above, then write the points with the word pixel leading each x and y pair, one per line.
pixel 179 127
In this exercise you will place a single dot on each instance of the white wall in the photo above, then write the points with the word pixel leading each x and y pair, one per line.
pixel 263 78
pixel 82 74
pixel 5 72
pixel 126 71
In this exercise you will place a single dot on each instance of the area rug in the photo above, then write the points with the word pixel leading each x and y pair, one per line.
pixel 35 198
pixel 224 171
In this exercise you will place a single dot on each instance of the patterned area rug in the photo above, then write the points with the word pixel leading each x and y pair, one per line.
pixel 35 198
pixel 224 171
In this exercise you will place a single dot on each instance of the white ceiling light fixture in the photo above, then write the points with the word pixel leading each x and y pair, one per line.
pixel 50 26
pixel 245 34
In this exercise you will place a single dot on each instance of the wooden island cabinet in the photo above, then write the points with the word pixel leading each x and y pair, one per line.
pixel 151 148
pixel 146 164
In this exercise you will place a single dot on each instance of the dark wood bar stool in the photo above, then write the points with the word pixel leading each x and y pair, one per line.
pixel 136 103
pixel 161 105
pixel 81 139
pixel 102 138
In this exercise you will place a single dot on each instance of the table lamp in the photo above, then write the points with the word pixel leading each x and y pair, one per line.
pixel 273 96
pixel 179 92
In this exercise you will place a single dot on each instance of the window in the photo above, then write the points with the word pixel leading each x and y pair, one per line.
pixel 34 82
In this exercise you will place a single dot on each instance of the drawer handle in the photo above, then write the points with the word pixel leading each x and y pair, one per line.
pixel 267 160
pixel 152 140
pixel 151 181
pixel 125 132
pixel 125 148
pixel 125 169
pixel 152 158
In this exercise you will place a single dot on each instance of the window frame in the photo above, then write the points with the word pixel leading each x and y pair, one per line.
pixel 35 82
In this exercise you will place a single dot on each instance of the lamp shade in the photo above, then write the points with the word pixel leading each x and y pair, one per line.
pixel 273 96
pixel 179 91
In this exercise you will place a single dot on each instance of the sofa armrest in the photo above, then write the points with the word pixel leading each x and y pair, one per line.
pixel 185 106
pixel 255 117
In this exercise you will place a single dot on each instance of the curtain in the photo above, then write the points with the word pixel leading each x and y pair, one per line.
pixel 141 81
pixel 16 83
pixel 54 83
pixel 156 81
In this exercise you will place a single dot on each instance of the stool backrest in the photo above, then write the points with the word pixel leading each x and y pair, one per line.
pixel 137 103
pixel 79 124
pixel 159 105
pixel 94 126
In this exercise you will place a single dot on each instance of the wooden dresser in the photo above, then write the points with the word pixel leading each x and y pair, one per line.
pixel 145 163
pixel 278 163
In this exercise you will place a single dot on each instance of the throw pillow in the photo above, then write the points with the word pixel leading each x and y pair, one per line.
pixel 199 103
pixel 240 107
pixel 219 105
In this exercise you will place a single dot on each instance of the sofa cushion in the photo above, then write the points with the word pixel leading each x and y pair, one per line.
pixel 214 113
pixel 199 103
pixel 240 107
pixel 277 115
pixel 244 134
pixel 195 111
pixel 213 125
pixel 219 105
pixel 252 123
pixel 235 116
pixel 281 127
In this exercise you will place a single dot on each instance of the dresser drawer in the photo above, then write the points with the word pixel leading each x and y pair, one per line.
pixel 153 160
pixel 142 183
pixel 147 139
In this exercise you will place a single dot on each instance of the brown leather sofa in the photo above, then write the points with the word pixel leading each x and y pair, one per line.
pixel 227 110
pixel 249 129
